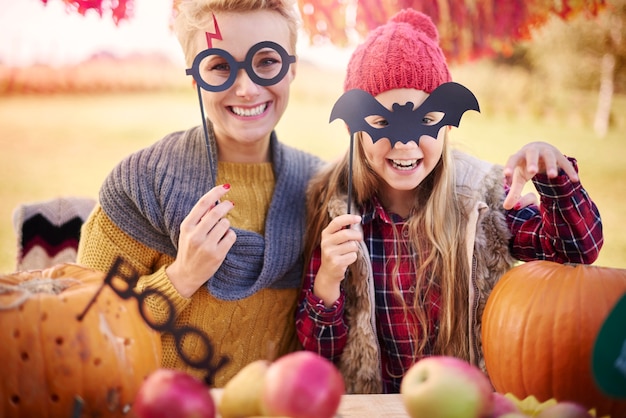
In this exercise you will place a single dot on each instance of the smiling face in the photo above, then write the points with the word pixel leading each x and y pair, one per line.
pixel 406 165
pixel 245 114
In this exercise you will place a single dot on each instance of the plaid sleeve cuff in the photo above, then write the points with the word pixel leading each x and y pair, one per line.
pixel 559 187
pixel 323 315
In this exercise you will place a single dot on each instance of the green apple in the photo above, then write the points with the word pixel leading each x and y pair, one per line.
pixel 446 387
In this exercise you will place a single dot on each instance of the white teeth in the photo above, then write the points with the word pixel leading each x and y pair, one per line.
pixel 255 111
pixel 404 164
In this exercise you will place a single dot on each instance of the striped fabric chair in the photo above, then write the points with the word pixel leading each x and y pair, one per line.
pixel 48 231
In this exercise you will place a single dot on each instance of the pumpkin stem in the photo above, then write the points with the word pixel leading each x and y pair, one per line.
pixel 32 287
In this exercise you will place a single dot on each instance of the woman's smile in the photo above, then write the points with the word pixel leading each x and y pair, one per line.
pixel 249 111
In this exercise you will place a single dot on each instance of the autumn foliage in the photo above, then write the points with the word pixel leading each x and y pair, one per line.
pixel 120 9
pixel 468 28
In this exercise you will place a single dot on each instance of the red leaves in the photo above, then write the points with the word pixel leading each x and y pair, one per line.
pixel 324 19
pixel 120 9
pixel 468 29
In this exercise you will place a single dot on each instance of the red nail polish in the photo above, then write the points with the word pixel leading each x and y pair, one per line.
pixel 226 186
pixel 517 206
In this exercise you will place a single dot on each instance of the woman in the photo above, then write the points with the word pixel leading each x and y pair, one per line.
pixel 212 217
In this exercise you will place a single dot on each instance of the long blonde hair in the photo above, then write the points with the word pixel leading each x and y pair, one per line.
pixel 193 16
pixel 436 230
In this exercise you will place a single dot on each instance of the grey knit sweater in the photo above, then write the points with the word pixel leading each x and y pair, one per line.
pixel 149 193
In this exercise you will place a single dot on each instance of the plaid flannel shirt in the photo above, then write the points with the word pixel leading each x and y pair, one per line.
pixel 567 228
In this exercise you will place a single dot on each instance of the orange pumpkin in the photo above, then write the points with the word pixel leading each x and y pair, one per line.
pixel 49 359
pixel 539 328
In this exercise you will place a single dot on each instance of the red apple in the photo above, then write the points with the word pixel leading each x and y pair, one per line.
pixel 302 384
pixel 168 393
pixel 446 387
pixel 565 409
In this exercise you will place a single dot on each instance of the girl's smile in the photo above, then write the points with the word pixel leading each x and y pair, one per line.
pixel 404 165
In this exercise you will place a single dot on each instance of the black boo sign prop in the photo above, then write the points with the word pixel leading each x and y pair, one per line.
pixel 204 363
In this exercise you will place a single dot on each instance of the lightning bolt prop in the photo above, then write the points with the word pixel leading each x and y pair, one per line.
pixel 210 36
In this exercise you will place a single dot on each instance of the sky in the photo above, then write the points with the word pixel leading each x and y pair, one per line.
pixel 32 33
pixel 35 33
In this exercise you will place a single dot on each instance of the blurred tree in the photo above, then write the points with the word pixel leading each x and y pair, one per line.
pixel 584 54
pixel 613 26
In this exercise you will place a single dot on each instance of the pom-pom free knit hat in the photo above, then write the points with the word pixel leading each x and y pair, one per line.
pixel 403 53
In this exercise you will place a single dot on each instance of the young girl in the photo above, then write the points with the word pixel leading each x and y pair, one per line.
pixel 433 231
pixel 212 217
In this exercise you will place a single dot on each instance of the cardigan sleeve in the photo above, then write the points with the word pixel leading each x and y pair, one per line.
pixel 101 242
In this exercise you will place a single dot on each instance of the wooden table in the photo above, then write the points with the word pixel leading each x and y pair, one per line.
pixel 362 406
pixel 371 406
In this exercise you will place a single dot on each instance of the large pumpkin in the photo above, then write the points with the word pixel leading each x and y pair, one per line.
pixel 539 328
pixel 51 362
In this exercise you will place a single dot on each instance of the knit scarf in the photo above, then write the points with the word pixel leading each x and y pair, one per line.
pixel 150 192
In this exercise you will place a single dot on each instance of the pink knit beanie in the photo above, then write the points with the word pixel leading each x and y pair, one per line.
pixel 403 53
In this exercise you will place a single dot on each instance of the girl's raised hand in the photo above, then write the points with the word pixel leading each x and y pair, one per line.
pixel 339 248
pixel 205 239
pixel 533 158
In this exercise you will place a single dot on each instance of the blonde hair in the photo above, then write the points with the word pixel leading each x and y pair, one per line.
pixel 193 16
pixel 436 228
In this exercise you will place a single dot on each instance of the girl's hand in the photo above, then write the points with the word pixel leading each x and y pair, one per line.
pixel 205 239
pixel 533 158
pixel 339 248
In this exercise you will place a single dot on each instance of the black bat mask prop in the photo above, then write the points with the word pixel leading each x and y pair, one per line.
pixel 403 123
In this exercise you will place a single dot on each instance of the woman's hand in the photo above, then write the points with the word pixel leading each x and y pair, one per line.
pixel 339 248
pixel 205 239
pixel 533 158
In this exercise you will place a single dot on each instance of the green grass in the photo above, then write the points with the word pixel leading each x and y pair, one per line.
pixel 60 145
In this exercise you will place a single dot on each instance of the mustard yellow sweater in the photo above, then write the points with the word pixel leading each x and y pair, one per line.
pixel 258 327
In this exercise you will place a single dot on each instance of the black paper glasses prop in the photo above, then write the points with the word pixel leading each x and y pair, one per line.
pixel 126 290
pixel 216 70
pixel 266 63
pixel 403 123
